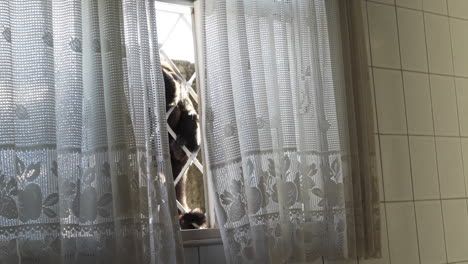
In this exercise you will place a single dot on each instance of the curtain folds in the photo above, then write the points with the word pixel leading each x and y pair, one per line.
pixel 288 130
pixel 84 160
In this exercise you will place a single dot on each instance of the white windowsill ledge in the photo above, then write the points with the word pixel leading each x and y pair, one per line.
pixel 199 237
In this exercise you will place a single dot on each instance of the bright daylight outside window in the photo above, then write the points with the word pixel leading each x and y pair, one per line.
pixel 177 51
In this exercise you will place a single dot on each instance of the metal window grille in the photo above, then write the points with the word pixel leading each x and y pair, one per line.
pixel 177 21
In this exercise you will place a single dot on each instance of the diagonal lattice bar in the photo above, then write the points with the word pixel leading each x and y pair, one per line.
pixel 181 207
pixel 187 152
pixel 186 88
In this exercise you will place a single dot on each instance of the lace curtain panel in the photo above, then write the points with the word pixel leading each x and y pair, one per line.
pixel 84 172
pixel 288 121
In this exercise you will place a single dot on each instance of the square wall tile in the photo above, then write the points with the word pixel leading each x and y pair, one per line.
pixel 461 85
pixel 416 4
pixel 402 236
pixel 459 32
pixel 390 101
pixel 458 8
pixel 444 105
pixel 388 2
pixel 418 103
pixel 456 229
pixel 430 232
pixel 212 254
pixel 464 147
pixel 341 261
pixel 412 40
pixel 318 261
pixel 439 47
pixel 435 6
pixel 383 35
pixel 424 168
pixel 191 255
pixel 396 168
pixel 449 161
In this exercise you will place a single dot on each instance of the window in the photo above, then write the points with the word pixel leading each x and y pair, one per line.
pixel 177 45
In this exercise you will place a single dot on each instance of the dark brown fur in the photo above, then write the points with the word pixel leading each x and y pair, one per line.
pixel 184 121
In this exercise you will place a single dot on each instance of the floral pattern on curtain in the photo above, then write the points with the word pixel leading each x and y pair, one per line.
pixel 288 121
pixel 84 159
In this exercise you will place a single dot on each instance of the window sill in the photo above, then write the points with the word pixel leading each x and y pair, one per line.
pixel 199 237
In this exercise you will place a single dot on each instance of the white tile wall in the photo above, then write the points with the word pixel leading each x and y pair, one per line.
pixel 418 103
pixel 464 144
pixel 396 168
pixel 461 85
pixel 456 229
pixel 438 43
pixel 390 101
pixel 340 262
pixel 422 119
pixel 212 254
pixel 191 255
pixel 416 4
pixel 389 2
pixel 435 6
pixel 430 232
pixel 419 69
pixel 402 234
pixel 206 254
pixel 444 105
pixel 459 35
pixel 450 164
pixel 412 39
pixel 383 35
pixel 458 8
pixel 424 168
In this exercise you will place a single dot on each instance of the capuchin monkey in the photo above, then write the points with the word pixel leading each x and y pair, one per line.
pixel 184 121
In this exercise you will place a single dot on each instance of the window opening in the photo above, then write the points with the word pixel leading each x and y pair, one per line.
pixel 177 51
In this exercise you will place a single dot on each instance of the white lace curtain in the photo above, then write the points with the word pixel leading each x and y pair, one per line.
pixel 288 125
pixel 84 173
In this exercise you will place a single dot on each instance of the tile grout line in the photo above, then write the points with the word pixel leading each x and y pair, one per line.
pixel 458 112
pixel 456 103
pixel 421 10
pixel 435 146
pixel 421 135
pixel 434 136
pixel 425 200
pixel 434 142
pixel 421 72
pixel 378 136
pixel 407 136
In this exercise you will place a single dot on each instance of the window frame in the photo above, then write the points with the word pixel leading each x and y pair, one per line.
pixel 210 235
pixel 197 24
pixel 179 2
